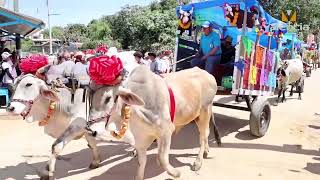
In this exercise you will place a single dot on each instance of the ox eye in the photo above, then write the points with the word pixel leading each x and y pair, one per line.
pixel 28 84
pixel 107 100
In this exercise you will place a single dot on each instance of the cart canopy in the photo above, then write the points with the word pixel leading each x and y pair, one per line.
pixel 217 11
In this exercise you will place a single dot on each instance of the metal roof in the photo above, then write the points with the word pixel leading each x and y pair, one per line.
pixel 16 23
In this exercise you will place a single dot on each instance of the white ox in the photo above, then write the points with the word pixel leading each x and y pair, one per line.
pixel 148 97
pixel 32 99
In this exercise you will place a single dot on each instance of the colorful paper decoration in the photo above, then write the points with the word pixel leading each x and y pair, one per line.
pixel 240 65
pixel 272 80
pixel 247 45
pixel 259 55
pixel 264 77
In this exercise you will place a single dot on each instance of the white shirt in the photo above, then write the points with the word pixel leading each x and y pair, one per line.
pixel 56 71
pixel 144 62
pixel 9 65
pixel 80 72
pixel 67 66
pixel 164 66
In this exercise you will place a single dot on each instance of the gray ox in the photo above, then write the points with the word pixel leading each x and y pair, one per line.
pixel 148 97
pixel 290 73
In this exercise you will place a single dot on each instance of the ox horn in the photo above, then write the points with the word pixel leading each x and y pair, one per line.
pixel 42 71
pixel 191 11
pixel 180 10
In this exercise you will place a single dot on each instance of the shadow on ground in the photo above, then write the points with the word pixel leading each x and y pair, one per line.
pixel 188 138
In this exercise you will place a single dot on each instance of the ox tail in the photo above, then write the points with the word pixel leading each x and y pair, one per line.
pixel 216 132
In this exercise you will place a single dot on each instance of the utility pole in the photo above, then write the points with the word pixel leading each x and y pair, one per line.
pixel 50 32
pixel 18 40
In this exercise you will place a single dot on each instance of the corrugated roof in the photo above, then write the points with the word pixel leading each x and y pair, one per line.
pixel 16 23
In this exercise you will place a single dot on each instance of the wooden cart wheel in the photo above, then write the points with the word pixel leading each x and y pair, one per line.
pixel 260 116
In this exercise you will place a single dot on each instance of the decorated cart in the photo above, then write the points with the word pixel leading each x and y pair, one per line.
pixel 251 74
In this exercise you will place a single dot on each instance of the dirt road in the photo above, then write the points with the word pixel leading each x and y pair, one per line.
pixel 289 150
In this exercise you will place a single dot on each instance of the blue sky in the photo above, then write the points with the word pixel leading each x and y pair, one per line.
pixel 72 11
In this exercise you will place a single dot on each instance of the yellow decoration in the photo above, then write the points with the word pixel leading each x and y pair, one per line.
pixel 125 113
pixel 184 26
pixel 45 121
pixel 253 75
pixel 235 19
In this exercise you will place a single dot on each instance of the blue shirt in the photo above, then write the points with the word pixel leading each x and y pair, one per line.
pixel 207 43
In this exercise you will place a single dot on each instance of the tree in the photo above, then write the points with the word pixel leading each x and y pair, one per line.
pixel 99 30
pixel 75 32
pixel 122 25
pixel 150 28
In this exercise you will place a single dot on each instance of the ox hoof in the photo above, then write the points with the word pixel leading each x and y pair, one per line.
pixel 133 153
pixel 196 165
pixel 175 173
pixel 94 166
pixel 206 154
pixel 46 178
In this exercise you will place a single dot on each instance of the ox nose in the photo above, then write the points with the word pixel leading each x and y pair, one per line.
pixel 10 109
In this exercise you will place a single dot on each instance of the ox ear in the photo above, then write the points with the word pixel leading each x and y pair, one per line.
pixel 129 97
pixel 49 94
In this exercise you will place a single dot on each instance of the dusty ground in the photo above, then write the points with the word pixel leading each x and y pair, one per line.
pixel 290 149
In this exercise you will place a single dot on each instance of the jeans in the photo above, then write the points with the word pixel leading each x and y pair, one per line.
pixel 208 64
pixel 10 87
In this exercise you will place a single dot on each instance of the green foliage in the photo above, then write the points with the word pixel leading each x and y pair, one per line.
pixel 26 45
pixel 98 30
pixel 150 28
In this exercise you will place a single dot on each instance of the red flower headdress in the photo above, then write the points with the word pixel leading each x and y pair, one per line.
pixel 32 63
pixel 103 49
pixel 105 70
pixel 90 51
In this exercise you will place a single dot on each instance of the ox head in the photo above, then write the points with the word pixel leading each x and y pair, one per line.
pixel 108 102
pixel 121 114
pixel 29 90
pixel 106 99
pixel 185 17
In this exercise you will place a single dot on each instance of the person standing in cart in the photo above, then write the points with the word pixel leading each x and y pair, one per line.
pixel 209 54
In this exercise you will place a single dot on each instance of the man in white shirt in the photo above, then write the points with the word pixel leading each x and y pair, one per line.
pixel 165 64
pixel 138 57
pixel 80 71
pixel 10 71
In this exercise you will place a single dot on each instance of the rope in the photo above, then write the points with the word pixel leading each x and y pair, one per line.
pixel 181 60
